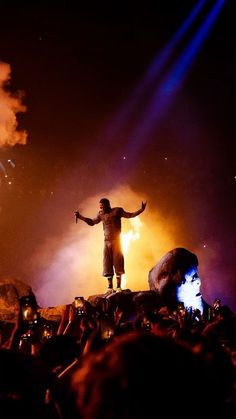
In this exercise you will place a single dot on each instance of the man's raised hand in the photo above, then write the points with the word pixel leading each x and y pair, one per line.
pixel 77 215
pixel 143 206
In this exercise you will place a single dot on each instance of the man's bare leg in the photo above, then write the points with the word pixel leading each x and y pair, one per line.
pixel 109 285
pixel 110 281
pixel 118 283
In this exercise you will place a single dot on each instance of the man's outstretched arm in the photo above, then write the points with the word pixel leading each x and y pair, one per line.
pixel 126 214
pixel 89 221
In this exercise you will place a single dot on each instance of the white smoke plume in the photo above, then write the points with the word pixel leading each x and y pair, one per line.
pixel 10 105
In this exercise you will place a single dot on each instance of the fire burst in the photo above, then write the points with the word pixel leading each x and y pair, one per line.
pixel 126 238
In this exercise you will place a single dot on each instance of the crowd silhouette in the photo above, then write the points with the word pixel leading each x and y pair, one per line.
pixel 127 356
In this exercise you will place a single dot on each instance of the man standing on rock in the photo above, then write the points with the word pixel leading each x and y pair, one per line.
pixel 113 258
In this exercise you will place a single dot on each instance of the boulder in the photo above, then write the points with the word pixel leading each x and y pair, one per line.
pixel 10 291
pixel 52 313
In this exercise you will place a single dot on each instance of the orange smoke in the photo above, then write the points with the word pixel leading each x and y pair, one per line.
pixel 71 265
pixel 10 105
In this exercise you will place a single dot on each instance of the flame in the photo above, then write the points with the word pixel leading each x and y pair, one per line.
pixel 126 238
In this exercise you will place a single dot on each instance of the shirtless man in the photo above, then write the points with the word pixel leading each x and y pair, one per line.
pixel 113 258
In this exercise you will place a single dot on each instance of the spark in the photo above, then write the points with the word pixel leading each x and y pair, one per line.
pixel 2 167
pixel 11 163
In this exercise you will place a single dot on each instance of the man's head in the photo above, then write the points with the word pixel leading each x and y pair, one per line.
pixel 104 204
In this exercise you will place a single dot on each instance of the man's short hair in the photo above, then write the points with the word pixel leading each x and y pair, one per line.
pixel 105 201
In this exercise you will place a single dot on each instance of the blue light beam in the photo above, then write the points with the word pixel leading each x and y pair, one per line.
pixel 181 68
pixel 152 73
pixel 168 89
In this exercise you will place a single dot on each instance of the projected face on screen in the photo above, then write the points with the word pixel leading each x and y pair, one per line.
pixel 189 290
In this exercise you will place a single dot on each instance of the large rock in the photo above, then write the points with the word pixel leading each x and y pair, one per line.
pixel 130 302
pixel 11 290
pixel 106 301
pixel 52 313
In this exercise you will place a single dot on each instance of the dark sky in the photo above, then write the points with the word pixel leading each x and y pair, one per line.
pixel 77 66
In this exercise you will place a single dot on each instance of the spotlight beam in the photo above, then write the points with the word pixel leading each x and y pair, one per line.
pixel 151 75
pixel 166 92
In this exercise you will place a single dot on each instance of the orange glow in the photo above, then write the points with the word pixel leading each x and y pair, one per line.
pixel 76 259
pixel 126 238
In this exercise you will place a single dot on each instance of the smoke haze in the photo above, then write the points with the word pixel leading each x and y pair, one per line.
pixel 72 264
pixel 10 105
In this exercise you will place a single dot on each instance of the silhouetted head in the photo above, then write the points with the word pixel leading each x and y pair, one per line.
pixel 24 384
pixel 104 204
pixel 117 381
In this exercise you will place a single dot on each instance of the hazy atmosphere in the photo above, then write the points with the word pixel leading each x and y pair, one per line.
pixel 125 101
